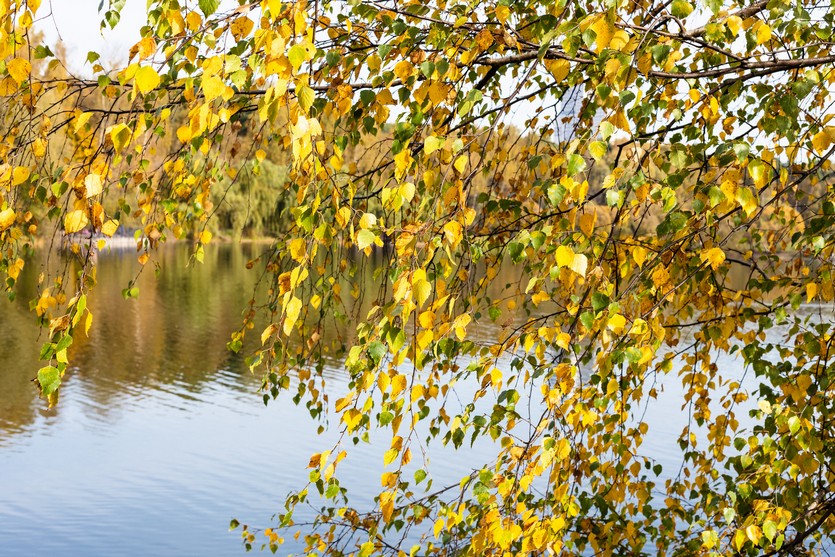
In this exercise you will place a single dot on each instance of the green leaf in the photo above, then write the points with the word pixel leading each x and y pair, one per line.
pixel 297 56
pixel 50 379
pixel 306 96
pixel 365 238
pixel 681 8
pixel 576 164
pixel 208 7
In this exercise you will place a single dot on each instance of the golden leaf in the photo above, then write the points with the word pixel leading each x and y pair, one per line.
pixel 75 221
pixel 19 69
pixel 713 256
pixel 147 79
pixel 7 218
pixel 291 314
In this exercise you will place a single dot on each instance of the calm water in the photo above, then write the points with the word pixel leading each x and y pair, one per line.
pixel 160 436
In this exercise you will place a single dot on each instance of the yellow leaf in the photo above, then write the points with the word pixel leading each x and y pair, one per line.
pixel 432 144
pixel 763 33
pixel 616 323
pixel 558 68
pixel 460 163
pixel 19 69
pixel 821 141
pixel 7 218
pixel 660 276
pixel 453 233
pixel 811 291
pixel 587 221
pixel 367 220
pixel 291 314
pixel 713 256
pixel 734 23
pixel 598 149
pixel 241 27
pixel 421 287
pixel 8 86
pixel 110 227
pixel 20 175
pixel 579 264
pixel 146 47
pixel 502 13
pixel 604 30
pixel 403 70
pixel 389 457
pixel 81 120
pixel 639 254
pixel 213 87
pixel 298 249
pixel 146 79
pixel 120 134
pixel 92 185
pixel 75 221
pixel 39 148
pixel 398 384
pixel 205 237
pixel 564 256
pixel 387 505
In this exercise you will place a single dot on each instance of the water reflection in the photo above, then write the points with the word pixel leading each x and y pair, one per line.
pixel 160 438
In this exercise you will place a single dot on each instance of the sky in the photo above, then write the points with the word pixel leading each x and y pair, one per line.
pixel 77 24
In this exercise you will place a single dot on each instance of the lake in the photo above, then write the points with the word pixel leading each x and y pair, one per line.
pixel 160 436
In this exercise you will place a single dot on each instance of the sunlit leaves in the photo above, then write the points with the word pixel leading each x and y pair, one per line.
pixel 208 7
pixel 147 79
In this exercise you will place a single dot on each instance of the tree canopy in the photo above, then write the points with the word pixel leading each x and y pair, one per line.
pixel 623 191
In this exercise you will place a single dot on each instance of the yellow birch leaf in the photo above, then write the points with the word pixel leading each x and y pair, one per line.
pixel 460 163
pixel 387 506
pixel 587 221
pixel 213 87
pixel 598 149
pixel 763 33
pixel 20 175
pixel 565 256
pixel 713 256
pixel 298 249
pixel 579 264
pixel 453 233
pixel 19 69
pixel 558 68
pixel 75 221
pixel 92 185
pixel 821 141
pixel 241 27
pixel 367 220
pixel 39 148
pixel 639 254
pixel 291 314
pixel 7 218
pixel 734 23
pixel 389 457
pixel 502 13
pixel 604 30
pixel 110 227
pixel 146 47
pixel 120 134
pixel 811 291
pixel 660 276
pixel 81 120
pixel 432 144
pixel 147 79
pixel 398 384
pixel 616 323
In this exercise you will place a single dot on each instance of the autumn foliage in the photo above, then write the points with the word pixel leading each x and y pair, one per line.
pixel 623 194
